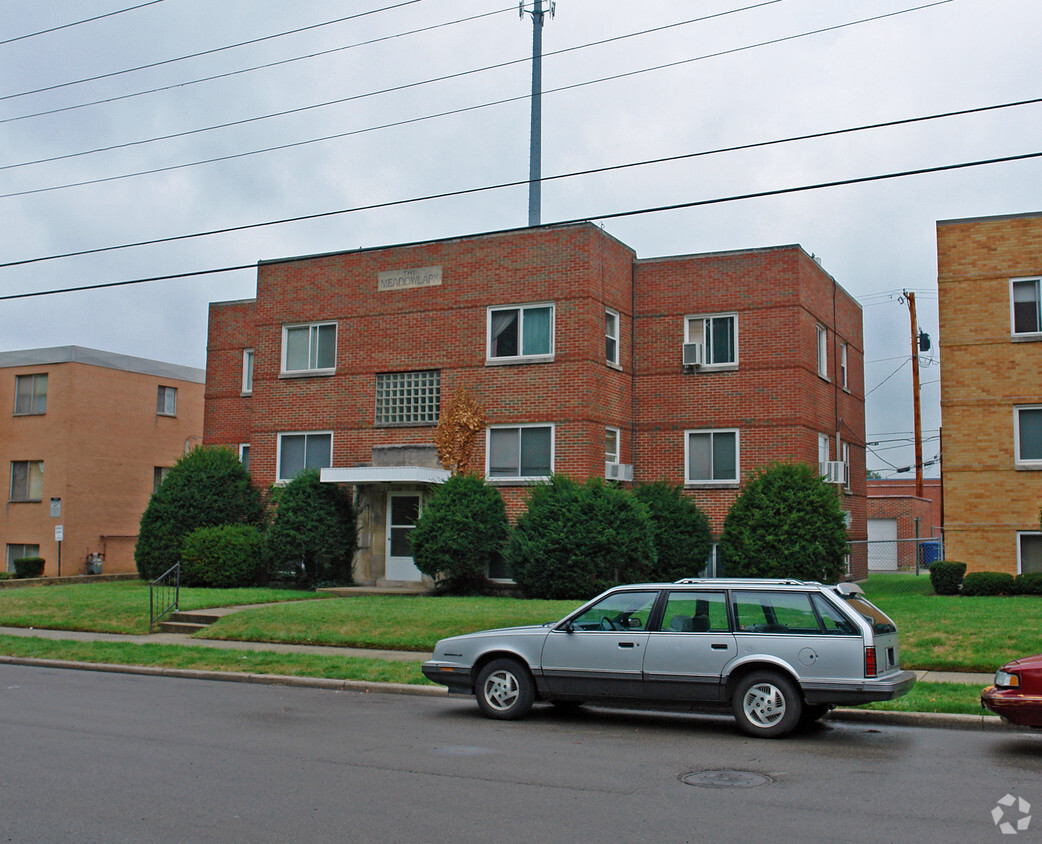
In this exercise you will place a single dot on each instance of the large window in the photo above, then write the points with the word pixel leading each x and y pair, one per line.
pixel 27 480
pixel 611 337
pixel 408 398
pixel 823 351
pixel 30 394
pixel 166 401
pixel 718 334
pixel 298 452
pixel 18 551
pixel 1026 305
pixel 524 331
pixel 520 451
pixel 309 349
pixel 1027 424
pixel 247 370
pixel 712 457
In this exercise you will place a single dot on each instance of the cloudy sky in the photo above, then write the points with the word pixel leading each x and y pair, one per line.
pixel 162 119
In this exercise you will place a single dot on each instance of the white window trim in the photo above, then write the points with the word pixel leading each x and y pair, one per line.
pixel 1023 335
pixel 1017 461
pixel 298 373
pixel 243 446
pixel 521 358
pixel 33 395
pixel 823 351
pixel 843 370
pixel 168 390
pixel 514 478
pixel 702 482
pixel 1020 533
pixel 687 339
pixel 618 330
pixel 278 456
pixel 249 359
pixel 846 467
pixel 618 444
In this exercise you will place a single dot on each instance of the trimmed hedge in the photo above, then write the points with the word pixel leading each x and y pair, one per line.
pixel 28 567
pixel 222 557
pixel 1028 584
pixel 984 583
pixel 946 577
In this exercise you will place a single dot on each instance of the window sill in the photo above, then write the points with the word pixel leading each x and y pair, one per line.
pixel 711 484
pixel 25 501
pixel 432 424
pixel 245 394
pixel 616 366
pixel 30 413
pixel 167 415
pixel 1026 338
pixel 517 481
pixel 520 360
pixel 308 373
pixel 1028 467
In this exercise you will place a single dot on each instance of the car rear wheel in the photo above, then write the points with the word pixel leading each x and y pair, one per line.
pixel 505 690
pixel 766 704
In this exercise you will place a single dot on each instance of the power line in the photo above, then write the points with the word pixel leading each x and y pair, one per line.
pixel 574 221
pixel 77 23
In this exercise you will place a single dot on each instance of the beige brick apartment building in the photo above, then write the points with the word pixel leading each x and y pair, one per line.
pixel 85 436
pixel 990 309
pixel 590 362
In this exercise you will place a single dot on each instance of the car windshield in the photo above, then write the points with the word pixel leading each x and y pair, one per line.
pixel 879 620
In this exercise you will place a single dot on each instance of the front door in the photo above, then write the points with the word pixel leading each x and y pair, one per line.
pixel 403 509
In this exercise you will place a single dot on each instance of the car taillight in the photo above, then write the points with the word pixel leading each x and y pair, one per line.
pixel 870 662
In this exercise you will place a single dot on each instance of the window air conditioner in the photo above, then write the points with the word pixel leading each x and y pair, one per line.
pixel 618 471
pixel 694 354
pixel 834 471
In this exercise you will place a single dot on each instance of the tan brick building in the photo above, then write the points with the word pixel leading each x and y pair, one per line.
pixel 85 436
pixel 990 309
pixel 590 362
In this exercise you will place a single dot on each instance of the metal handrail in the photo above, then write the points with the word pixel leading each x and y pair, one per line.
pixel 160 591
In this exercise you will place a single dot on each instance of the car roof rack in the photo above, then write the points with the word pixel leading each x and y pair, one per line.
pixel 747 581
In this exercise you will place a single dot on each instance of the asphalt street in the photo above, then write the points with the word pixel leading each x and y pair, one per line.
pixel 97 756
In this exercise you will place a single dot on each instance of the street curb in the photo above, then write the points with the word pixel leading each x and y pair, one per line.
pixel 936 720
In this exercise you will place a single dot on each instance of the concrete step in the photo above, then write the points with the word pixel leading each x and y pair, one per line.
pixel 181 627
pixel 384 588
pixel 201 617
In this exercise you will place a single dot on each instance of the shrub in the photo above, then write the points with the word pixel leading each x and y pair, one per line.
pixel 786 522
pixel 28 567
pixel 461 534
pixel 575 540
pixel 679 530
pixel 946 577
pixel 205 488
pixel 314 528
pixel 1028 584
pixel 987 583
pixel 224 556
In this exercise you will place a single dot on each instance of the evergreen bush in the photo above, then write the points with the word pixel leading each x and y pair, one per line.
pixel 461 534
pixel 987 583
pixel 222 557
pixel 946 577
pixel 679 530
pixel 28 567
pixel 1029 583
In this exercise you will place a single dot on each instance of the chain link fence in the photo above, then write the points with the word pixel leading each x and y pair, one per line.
pixel 900 555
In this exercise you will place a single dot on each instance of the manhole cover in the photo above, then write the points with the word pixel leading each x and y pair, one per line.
pixel 726 779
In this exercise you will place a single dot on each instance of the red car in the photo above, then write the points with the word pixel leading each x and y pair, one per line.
pixel 1017 693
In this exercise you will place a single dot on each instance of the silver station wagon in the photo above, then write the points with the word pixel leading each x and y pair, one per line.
pixel 780 653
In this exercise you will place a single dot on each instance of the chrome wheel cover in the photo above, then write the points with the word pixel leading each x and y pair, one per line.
pixel 764 705
pixel 500 690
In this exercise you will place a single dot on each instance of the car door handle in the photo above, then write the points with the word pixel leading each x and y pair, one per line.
pixel 627 644
pixel 718 647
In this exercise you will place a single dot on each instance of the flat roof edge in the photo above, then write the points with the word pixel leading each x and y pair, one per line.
pixel 108 360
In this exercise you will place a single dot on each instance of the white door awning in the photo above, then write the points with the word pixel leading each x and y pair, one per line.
pixel 385 475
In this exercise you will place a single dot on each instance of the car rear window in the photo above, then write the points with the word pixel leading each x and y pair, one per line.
pixel 879 620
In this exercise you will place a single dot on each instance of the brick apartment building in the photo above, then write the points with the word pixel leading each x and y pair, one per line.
pixel 85 436
pixel 990 309
pixel 589 362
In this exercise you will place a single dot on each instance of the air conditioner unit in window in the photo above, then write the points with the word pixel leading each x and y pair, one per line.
pixel 694 354
pixel 834 471
pixel 618 471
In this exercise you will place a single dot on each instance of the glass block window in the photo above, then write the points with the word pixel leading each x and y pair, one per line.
pixel 408 398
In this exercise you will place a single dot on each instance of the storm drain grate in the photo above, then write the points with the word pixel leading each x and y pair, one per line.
pixel 726 779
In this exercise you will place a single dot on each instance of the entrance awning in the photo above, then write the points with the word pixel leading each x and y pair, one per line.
pixel 385 475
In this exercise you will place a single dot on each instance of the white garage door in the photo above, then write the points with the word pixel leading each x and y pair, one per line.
pixel 882 544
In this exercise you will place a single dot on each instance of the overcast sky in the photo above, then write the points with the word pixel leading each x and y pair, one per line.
pixel 745 73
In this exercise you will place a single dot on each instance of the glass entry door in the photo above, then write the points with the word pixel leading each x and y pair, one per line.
pixel 403 509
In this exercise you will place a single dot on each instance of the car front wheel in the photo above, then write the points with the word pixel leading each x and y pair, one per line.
pixel 505 690
pixel 767 705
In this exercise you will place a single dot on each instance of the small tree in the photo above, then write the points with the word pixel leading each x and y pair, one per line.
pixel 205 488
pixel 679 529
pixel 786 522
pixel 460 534
pixel 457 431
pixel 314 527
pixel 575 540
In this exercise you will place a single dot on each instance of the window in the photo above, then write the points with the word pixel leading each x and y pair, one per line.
pixel 846 467
pixel 620 611
pixel 1026 306
pixel 1027 422
pixel 30 394
pixel 823 452
pixel 611 445
pixel 843 367
pixel 520 451
pixel 17 552
pixel 308 349
pixel 696 612
pixel 1029 552
pixel 611 337
pixel 247 370
pixel 244 455
pixel 27 480
pixel 408 398
pixel 159 473
pixel 298 452
pixel 520 332
pixel 718 334
pixel 712 457
pixel 775 612
pixel 166 401
pixel 823 352
pixel 832 620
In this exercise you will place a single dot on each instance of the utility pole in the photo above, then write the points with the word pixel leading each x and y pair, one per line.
pixel 538 13
pixel 915 396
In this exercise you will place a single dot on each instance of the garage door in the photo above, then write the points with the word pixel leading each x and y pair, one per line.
pixel 882 544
